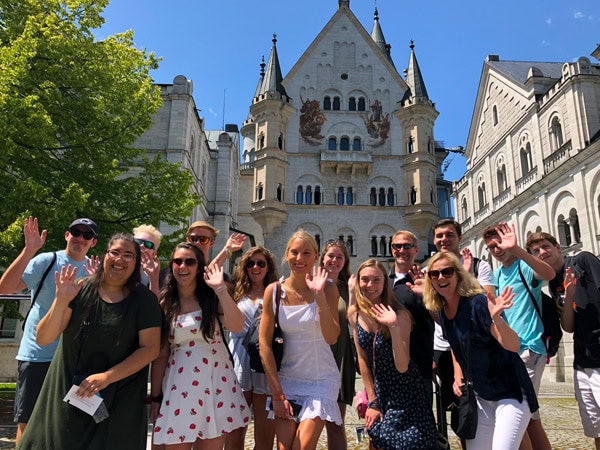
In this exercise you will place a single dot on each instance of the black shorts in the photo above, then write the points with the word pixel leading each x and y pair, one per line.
pixel 30 377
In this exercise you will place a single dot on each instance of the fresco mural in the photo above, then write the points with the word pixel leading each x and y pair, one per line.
pixel 378 124
pixel 311 121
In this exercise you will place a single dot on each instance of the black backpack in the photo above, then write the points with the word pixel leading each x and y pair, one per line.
pixel 550 316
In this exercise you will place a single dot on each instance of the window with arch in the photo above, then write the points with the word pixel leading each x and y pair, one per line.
pixel 352 104
pixel 463 209
pixel 349 196
pixel 390 197
pixel 383 246
pixel 344 143
pixel 332 144
pixel 574 224
pixel 501 176
pixel 340 196
pixel 495 115
pixel 373 198
pixel 327 103
pixel 280 141
pixel 261 141
pixel 481 196
pixel 557 134
pixel 362 105
pixel 300 195
pixel 410 145
pixel 259 192
pixel 526 159
pixel 318 240
pixel 279 192
pixel 308 195
pixel 430 146
pixel 317 195
pixel 356 144
pixel 336 103
pixel 413 195
pixel 350 245
pixel 381 197
pixel 564 233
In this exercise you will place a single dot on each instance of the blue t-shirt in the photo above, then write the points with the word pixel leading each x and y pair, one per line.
pixel 522 317
pixel 29 350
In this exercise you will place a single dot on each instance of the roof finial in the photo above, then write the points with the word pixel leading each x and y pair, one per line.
pixel 345 3
pixel 274 38
pixel 376 14
pixel 262 67
pixel 412 44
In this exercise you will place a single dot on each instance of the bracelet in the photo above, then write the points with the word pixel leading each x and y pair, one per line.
pixel 500 320
pixel 281 397
pixel 220 288
pixel 373 405
pixel 157 399
pixel 322 308
pixel 229 252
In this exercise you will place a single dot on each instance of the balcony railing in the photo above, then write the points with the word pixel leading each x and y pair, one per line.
pixel 558 157
pixel 502 198
pixel 482 213
pixel 527 180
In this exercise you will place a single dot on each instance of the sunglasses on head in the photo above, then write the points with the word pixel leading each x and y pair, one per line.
pixel 446 273
pixel 260 263
pixel 202 239
pixel 87 235
pixel 187 261
pixel 402 246
pixel 144 243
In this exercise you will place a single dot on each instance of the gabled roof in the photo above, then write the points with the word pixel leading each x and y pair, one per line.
pixel 518 70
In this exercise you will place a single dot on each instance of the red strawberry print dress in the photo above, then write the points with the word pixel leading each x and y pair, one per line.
pixel 201 395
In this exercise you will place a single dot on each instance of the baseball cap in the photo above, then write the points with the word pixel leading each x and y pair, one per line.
pixel 86 223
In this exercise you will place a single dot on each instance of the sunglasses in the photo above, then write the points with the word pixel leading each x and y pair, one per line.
pixel 202 239
pixel 144 243
pixel 260 263
pixel 446 273
pixel 187 261
pixel 87 235
pixel 402 246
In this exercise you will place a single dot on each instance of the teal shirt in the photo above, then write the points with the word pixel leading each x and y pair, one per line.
pixel 522 317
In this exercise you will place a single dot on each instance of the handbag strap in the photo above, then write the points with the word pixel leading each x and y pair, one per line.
pixel 469 380
pixel 223 339
pixel 277 302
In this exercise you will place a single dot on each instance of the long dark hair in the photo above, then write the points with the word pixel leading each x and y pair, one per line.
pixel 205 296
pixel 242 280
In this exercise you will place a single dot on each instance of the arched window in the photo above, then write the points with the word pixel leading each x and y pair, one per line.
pixel 356 144
pixel 299 195
pixel 259 192
pixel 332 144
pixel 374 246
pixel 495 115
pixel 410 145
pixel 413 195
pixel 383 246
pixel 381 197
pixel 557 133
pixel 350 245
pixel 501 175
pixel 344 143
pixel 574 224
pixel 361 104
pixel 261 141
pixel 327 103
pixel 318 240
pixel 430 146
pixel 463 209
pixel 352 104
pixel 481 196
pixel 390 197
pixel 279 192
pixel 564 233
pixel 340 196
pixel 336 103
pixel 317 195
pixel 349 196
pixel 280 141
pixel 308 195
pixel 373 198
pixel 525 157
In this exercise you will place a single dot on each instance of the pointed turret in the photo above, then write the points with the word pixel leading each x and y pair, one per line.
pixel 414 78
pixel 272 77
pixel 261 77
pixel 379 39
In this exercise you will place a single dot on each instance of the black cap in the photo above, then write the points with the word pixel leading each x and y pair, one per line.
pixel 86 223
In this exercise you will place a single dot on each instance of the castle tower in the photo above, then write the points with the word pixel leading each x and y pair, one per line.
pixel 417 115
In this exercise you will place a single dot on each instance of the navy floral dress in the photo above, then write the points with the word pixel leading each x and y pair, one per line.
pixel 408 421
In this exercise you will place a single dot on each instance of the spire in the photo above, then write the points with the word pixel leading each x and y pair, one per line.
pixel 272 77
pixel 413 75
pixel 345 3
pixel 261 77
pixel 377 36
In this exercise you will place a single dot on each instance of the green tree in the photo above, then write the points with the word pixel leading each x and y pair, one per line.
pixel 71 107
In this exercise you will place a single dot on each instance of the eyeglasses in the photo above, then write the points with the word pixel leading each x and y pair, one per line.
pixel 202 239
pixel 144 243
pixel 187 261
pixel 127 257
pixel 446 273
pixel 260 263
pixel 76 232
pixel 402 246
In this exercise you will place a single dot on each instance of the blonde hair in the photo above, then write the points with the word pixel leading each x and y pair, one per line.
pixel 363 304
pixel 306 237
pixel 202 224
pixel 467 285
pixel 151 230
pixel 407 234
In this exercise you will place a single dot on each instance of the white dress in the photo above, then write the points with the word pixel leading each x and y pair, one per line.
pixel 309 374
pixel 201 395
pixel 248 380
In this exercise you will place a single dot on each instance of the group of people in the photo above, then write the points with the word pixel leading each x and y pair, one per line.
pixel 98 323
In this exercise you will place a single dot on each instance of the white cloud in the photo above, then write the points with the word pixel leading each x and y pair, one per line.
pixel 544 43
pixel 548 21
pixel 578 15
pixel 212 112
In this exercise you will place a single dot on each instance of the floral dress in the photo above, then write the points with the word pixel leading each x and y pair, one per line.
pixel 201 395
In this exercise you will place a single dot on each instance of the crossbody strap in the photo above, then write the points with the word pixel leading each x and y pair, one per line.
pixel 469 333
pixel 535 305
pixel 39 288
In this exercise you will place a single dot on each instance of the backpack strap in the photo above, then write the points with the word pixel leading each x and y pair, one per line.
pixel 37 291
pixel 535 305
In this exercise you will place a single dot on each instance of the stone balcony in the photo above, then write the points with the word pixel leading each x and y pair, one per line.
pixel 557 158
pixel 340 161
pixel 527 180
pixel 502 198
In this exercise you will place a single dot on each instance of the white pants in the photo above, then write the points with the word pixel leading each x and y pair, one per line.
pixel 587 392
pixel 501 424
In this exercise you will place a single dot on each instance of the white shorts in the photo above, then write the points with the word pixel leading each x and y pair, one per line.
pixel 587 392
pixel 535 364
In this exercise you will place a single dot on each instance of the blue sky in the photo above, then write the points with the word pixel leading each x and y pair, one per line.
pixel 219 44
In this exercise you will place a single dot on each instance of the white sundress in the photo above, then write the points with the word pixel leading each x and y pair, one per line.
pixel 201 395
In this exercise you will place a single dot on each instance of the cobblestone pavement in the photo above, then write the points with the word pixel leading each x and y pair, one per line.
pixel 558 407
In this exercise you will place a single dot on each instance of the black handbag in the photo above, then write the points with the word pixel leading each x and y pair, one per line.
pixel 463 415
pixel 251 342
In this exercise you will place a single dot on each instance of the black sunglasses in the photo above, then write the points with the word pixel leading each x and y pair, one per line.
pixel 402 246
pixel 187 261
pixel 260 263
pixel 148 244
pixel 446 273
pixel 87 235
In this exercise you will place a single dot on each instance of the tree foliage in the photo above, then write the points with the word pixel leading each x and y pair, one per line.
pixel 71 107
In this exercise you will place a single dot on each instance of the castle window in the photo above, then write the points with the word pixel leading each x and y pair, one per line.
pixel 344 143
pixel 383 247
pixel 308 195
pixel 332 144
pixel 381 197
pixel 481 196
pixel 390 197
pixel 463 209
pixel 318 240
pixel 352 104
pixel 526 161
pixel 413 195
pixel 356 145
pixel 261 141
pixel 300 195
pixel 410 145
pixel 373 198
pixel 336 103
pixel 280 142
pixel 557 135
pixel 327 103
pixel 279 192
pixel 374 246
pixel 340 196
pixel 350 245
pixel 349 196
pixel 495 115
pixel 317 195
pixel 361 104
pixel 501 175
pixel 259 192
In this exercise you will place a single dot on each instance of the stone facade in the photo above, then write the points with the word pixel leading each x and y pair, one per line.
pixel 533 157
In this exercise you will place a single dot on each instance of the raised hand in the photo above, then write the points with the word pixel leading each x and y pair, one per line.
pixel 213 275
pixel 500 303
pixel 570 285
pixel 508 236
pixel 467 259
pixel 150 263
pixel 385 315
pixel 235 242
pixel 317 282
pixel 91 265
pixel 34 240
pixel 66 285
